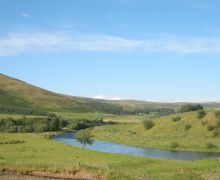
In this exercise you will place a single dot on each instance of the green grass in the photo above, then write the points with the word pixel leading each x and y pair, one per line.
pixel 17 116
pixel 41 154
pixel 164 133
pixel 76 116
pixel 126 119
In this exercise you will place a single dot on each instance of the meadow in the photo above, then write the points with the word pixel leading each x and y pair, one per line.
pixel 40 155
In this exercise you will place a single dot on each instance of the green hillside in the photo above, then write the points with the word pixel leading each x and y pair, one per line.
pixel 17 93
pixel 14 92
pixel 189 132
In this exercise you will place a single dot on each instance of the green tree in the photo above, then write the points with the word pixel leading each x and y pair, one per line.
pixel 191 107
pixel 84 137
pixel 201 114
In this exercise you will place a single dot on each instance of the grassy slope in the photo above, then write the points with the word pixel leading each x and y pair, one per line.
pixel 14 92
pixel 126 118
pixel 15 116
pixel 41 154
pixel 18 93
pixel 163 133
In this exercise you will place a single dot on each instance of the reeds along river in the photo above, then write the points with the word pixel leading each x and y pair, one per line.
pixel 68 138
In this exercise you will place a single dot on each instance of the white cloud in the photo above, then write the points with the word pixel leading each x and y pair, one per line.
pixel 16 43
pixel 105 97
pixel 116 98
pixel 25 15
pixel 99 97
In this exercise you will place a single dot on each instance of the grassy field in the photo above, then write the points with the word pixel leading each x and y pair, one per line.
pixel 125 119
pixel 75 116
pixel 38 153
pixel 164 133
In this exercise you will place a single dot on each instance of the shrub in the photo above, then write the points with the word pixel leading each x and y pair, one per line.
pixel 216 132
pixel 12 142
pixel 85 123
pixel 218 123
pixel 201 114
pixel 148 124
pixel 191 107
pixel 29 125
pixel 174 145
pixel 41 128
pixel 210 146
pixel 188 126
pixel 204 123
pixel 177 118
pixel 217 115
pixel 210 127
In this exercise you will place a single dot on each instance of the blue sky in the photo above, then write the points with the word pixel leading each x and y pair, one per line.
pixel 117 49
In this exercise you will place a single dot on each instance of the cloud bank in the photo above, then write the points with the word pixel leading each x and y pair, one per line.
pixel 17 43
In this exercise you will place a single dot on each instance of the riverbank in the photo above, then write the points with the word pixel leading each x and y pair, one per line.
pixel 165 134
pixel 104 146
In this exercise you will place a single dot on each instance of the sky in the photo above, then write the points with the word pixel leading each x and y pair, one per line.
pixel 152 50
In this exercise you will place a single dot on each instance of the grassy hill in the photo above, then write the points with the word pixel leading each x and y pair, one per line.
pixel 17 93
pixel 189 133
pixel 133 104
pixel 14 92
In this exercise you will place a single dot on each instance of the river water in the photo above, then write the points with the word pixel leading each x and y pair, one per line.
pixel 103 146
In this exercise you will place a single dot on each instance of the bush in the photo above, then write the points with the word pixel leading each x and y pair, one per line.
pixel 188 126
pixel 210 127
pixel 210 146
pixel 29 125
pixel 148 124
pixel 12 142
pixel 85 123
pixel 218 123
pixel 41 128
pixel 216 132
pixel 174 145
pixel 177 118
pixel 217 115
pixel 201 114
pixel 191 107
pixel 204 123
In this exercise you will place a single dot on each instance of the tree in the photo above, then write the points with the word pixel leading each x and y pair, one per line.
pixel 54 124
pixel 84 137
pixel 191 107
pixel 201 114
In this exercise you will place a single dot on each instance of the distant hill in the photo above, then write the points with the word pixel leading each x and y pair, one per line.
pixel 17 93
pixel 148 104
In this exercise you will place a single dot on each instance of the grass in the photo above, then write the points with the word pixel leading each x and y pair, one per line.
pixel 76 116
pixel 38 153
pixel 125 118
pixel 16 116
pixel 164 133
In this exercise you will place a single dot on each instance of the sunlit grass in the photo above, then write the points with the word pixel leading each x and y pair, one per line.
pixel 164 132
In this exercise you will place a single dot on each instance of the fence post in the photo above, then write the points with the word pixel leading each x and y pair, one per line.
pixel 213 170
pixel 182 169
